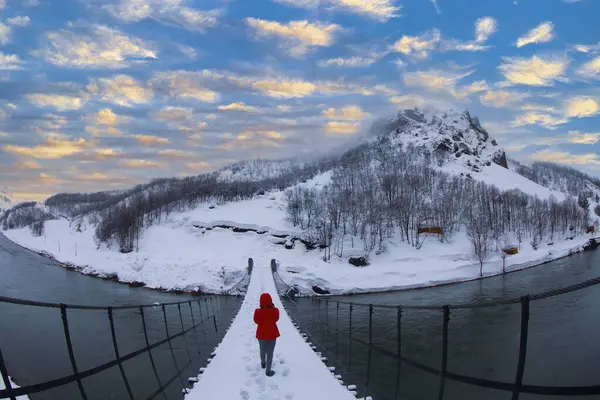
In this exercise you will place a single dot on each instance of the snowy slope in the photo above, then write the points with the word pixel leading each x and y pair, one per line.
pixel 235 372
pixel 255 170
pixel 5 199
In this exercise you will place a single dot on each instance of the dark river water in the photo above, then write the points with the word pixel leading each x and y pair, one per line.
pixel 564 337
pixel 33 343
pixel 564 334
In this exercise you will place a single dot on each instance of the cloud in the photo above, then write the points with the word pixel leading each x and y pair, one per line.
pixel 103 153
pixel 121 89
pixel 501 98
pixel 590 69
pixel 582 48
pixel 19 21
pixel 106 116
pixel 583 138
pixel 102 47
pixel 253 138
pixel 239 106
pixel 103 131
pixel 543 33
pixel 283 108
pixel 445 81
pixel 5 31
pixel 198 166
pixel 484 28
pixel 534 71
pixel 408 101
pixel 296 36
pixel 173 114
pixel 186 85
pixel 418 46
pixel 548 121
pixel 188 51
pixel 53 148
pixel 345 128
pixel 60 102
pixel 566 158
pixel 192 83
pixel 28 165
pixel 9 62
pixel 350 113
pixel 147 140
pixel 308 4
pixel 137 163
pixel 550 117
pixel 350 62
pixel 582 107
pixel 380 10
pixel 176 153
pixel 167 12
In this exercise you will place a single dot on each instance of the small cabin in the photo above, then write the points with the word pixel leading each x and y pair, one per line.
pixel 431 229
pixel 590 229
pixel 511 250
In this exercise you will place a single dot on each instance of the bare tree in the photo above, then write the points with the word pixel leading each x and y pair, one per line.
pixel 477 230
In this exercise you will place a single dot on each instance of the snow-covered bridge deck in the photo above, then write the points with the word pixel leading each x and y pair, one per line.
pixel 235 372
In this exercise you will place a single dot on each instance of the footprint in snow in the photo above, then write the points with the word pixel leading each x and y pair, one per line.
pixel 286 372
pixel 282 361
pixel 244 395
pixel 289 396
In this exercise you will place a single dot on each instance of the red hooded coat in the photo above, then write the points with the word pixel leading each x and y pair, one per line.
pixel 266 318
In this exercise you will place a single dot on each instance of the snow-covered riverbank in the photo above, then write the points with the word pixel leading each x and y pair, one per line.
pixel 2 386
pixel 182 254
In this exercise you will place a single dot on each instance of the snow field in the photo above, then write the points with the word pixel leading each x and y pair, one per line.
pixel 235 372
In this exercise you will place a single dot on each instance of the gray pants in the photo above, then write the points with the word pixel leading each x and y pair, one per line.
pixel 267 348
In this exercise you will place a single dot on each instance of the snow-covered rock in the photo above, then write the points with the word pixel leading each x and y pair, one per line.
pixel 454 136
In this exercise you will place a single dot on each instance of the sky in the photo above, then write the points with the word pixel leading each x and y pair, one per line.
pixel 104 94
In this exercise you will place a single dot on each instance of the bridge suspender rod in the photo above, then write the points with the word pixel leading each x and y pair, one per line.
pixel 187 349
pixel 522 346
pixel 337 328
pixel 444 352
pixel 350 336
pixel 171 346
pixel 399 337
pixel 160 385
pixel 116 347
pixel 7 383
pixel 370 350
pixel 194 326
pixel 65 321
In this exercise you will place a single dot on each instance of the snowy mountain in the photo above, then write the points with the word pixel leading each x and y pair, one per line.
pixel 255 170
pixel 322 218
pixel 453 136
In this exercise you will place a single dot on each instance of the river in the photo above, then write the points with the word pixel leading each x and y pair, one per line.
pixel 564 332
pixel 33 343
pixel 563 345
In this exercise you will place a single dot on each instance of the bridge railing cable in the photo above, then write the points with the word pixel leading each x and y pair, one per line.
pixel 515 387
pixel 78 376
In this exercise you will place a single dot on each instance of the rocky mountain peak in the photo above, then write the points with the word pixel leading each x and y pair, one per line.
pixel 453 135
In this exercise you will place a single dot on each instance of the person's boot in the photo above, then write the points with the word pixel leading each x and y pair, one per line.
pixel 270 373
pixel 263 365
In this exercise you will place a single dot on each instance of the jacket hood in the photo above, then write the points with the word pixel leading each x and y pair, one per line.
pixel 266 300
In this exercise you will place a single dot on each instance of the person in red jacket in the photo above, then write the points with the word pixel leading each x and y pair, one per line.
pixel 266 318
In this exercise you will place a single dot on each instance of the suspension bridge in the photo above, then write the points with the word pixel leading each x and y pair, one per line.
pixel 232 370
